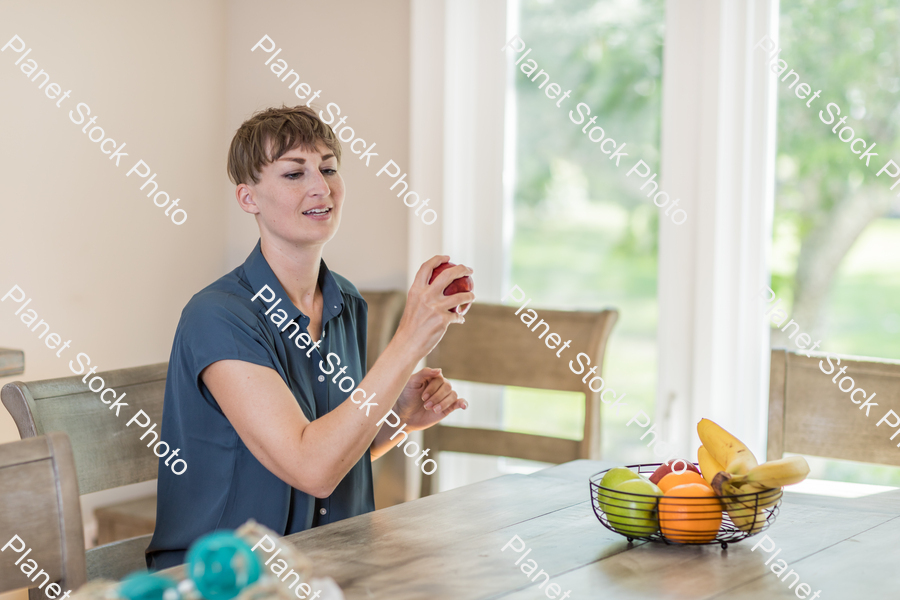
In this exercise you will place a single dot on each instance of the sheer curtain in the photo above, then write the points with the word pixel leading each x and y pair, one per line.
pixel 458 100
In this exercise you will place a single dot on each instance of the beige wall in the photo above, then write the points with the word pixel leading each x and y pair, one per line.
pixel 104 266
pixel 173 80
pixel 101 263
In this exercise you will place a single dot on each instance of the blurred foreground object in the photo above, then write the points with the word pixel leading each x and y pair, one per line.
pixel 224 565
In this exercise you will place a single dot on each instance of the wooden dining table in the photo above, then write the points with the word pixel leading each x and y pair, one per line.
pixel 450 545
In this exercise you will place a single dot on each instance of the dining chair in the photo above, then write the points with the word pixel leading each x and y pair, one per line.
pixel 385 310
pixel 495 346
pixel 106 453
pixel 811 413
pixel 12 362
pixel 40 517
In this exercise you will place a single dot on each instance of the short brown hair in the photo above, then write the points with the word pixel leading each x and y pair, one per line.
pixel 276 130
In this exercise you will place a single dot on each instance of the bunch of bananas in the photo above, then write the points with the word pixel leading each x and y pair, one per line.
pixel 746 487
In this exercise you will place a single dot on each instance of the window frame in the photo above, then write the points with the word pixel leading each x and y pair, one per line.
pixel 717 156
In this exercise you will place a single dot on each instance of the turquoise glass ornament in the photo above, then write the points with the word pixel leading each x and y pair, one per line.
pixel 221 564
pixel 148 586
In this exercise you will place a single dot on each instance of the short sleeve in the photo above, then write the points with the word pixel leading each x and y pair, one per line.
pixel 217 326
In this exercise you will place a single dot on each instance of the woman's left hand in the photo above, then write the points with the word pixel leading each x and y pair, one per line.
pixel 426 399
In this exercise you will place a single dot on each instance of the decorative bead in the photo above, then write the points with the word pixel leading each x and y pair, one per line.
pixel 221 565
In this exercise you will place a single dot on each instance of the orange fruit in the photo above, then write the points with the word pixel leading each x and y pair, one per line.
pixel 690 513
pixel 673 479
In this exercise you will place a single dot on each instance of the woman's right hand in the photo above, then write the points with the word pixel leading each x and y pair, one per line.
pixel 427 314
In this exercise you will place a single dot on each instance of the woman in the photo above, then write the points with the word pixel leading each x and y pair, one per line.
pixel 265 434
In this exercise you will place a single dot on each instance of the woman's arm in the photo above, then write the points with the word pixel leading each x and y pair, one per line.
pixel 310 456
pixel 315 456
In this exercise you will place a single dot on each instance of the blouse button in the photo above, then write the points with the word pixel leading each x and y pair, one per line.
pixel 322 511
pixel 321 379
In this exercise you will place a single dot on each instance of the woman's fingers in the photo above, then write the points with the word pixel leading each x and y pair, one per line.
pixel 424 272
pixel 446 403
pixel 460 403
pixel 440 394
pixel 431 389
pixel 428 312
pixel 435 291
pixel 457 299
pixel 446 276
pixel 425 375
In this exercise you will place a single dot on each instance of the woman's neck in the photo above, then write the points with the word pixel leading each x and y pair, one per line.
pixel 297 269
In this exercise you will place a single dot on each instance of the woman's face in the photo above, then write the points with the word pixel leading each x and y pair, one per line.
pixel 298 198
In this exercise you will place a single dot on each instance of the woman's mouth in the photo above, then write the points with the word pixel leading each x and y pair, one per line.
pixel 318 213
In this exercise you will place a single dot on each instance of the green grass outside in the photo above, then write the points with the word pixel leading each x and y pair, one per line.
pixel 863 309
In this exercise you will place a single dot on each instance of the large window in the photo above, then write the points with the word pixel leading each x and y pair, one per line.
pixel 583 237
pixel 837 227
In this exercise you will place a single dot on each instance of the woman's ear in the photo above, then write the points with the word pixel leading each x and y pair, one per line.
pixel 245 199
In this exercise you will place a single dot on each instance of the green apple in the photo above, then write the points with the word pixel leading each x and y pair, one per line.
pixel 631 514
pixel 611 480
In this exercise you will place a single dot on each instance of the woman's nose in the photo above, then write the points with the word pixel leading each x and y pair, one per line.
pixel 318 185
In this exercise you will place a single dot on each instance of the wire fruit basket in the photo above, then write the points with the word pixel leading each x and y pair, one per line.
pixel 682 519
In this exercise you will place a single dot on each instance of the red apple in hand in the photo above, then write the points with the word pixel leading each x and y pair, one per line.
pixel 463 284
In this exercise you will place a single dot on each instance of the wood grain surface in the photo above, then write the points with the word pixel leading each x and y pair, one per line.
pixel 107 453
pixel 809 414
pixel 449 545
pixel 39 503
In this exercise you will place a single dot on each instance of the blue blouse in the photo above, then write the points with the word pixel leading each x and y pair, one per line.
pixel 224 484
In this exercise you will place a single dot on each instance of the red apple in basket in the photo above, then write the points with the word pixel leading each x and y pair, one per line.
pixel 676 464
pixel 462 284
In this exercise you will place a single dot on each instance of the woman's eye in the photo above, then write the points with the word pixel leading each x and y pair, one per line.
pixel 294 175
pixel 329 171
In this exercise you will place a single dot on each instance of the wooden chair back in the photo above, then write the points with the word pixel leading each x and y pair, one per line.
pixel 385 310
pixel 495 346
pixel 39 504
pixel 810 414
pixel 106 453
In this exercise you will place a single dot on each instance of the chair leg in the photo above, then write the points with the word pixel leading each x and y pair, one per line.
pixel 425 489
pixel 430 439
pixel 390 476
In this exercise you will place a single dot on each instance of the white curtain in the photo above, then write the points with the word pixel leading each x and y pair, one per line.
pixel 718 145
